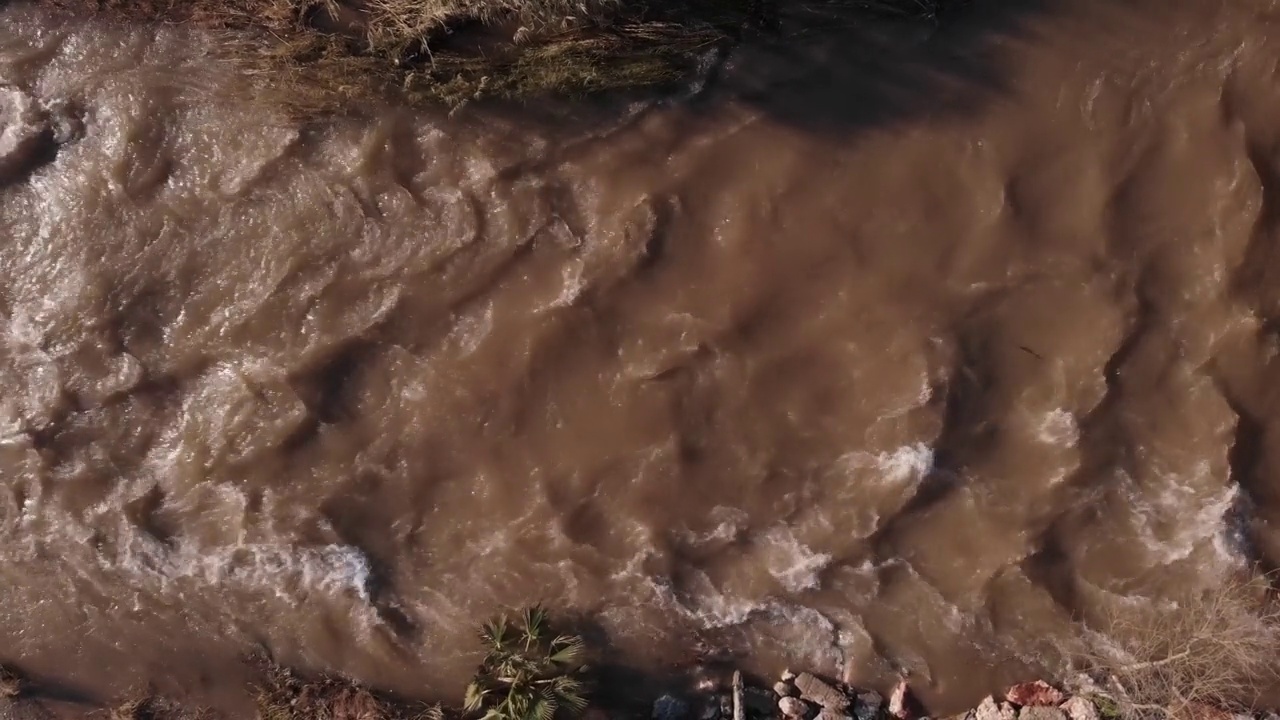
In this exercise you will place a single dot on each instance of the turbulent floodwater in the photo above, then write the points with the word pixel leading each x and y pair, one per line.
pixel 868 354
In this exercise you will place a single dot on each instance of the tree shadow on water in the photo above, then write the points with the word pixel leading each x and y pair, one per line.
pixel 834 70
pixel 847 71
pixel 624 687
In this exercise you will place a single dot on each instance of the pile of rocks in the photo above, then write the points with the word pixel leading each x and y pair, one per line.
pixel 1034 701
pixel 805 696
pixel 802 696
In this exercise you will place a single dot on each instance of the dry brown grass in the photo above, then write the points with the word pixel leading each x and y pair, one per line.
pixel 318 55
pixel 396 24
pixel 281 694
pixel 311 74
pixel 454 52
pixel 11 683
pixel 148 706
pixel 1220 649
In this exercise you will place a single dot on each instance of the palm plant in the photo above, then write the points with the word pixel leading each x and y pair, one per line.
pixel 529 672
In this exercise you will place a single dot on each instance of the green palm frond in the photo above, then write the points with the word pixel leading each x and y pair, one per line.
pixel 516 706
pixel 570 691
pixel 514 668
pixel 475 696
pixel 525 675
pixel 494 633
pixel 543 709
pixel 566 650
pixel 533 625
pixel 431 712
pixel 576 703
pixel 503 668
pixel 565 684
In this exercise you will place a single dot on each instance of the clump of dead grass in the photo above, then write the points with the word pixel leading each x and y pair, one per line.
pixel 1219 650
pixel 12 683
pixel 397 24
pixel 317 55
pixel 149 706
pixel 454 53
pixel 281 694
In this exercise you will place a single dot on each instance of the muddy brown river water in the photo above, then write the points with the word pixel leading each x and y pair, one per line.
pixel 881 350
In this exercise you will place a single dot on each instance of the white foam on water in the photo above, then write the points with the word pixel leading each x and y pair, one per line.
pixel 1059 427
pixel 805 632
pixel 710 607
pixel 912 402
pixel 287 571
pixel 811 635
pixel 905 464
pixel 30 509
pixel 11 430
pixel 730 522
pixel 790 562
pixel 1187 519
pixel 572 283
pixel 30 375
pixel 470 330
pixel 909 462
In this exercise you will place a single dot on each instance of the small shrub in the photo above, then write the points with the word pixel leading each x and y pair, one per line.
pixel 528 672
pixel 148 706
pixel 11 683
pixel 429 712
pixel 131 709
pixel 1219 649
pixel 1108 708
pixel 282 695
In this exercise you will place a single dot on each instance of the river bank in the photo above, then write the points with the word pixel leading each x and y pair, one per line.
pixel 848 369
pixel 282 694
pixel 1214 657
pixel 332 55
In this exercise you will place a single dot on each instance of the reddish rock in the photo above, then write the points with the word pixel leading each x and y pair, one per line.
pixel 901 704
pixel 1035 694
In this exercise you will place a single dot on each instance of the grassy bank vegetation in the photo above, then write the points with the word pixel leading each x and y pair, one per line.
pixel 1212 656
pixel 326 53
pixel 1216 650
